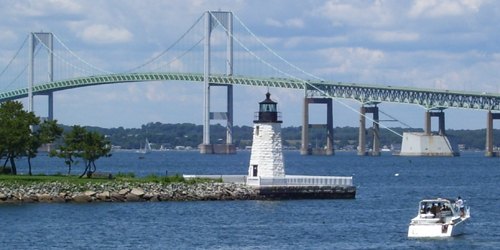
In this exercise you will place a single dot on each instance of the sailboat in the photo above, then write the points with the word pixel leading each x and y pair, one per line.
pixel 146 149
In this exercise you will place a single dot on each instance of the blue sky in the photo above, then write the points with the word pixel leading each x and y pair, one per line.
pixel 423 43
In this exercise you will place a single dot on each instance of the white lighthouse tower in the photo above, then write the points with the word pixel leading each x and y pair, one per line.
pixel 266 158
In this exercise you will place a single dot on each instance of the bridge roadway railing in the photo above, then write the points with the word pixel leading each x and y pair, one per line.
pixel 300 180
pixel 363 93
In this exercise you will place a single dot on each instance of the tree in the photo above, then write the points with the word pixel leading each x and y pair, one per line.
pixel 15 131
pixel 95 147
pixel 87 145
pixel 71 147
pixel 46 132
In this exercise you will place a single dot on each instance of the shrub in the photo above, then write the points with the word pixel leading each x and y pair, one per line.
pixel 152 176
pixel 172 178
pixel 125 175
pixel 5 170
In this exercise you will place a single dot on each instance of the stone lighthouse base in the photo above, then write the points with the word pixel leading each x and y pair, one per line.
pixel 307 192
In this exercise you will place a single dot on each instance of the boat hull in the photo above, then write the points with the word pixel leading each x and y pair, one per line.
pixel 437 229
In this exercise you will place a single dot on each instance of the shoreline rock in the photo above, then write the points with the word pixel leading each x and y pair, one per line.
pixel 61 192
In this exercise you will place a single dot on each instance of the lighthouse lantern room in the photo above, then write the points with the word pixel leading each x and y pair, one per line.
pixel 267 151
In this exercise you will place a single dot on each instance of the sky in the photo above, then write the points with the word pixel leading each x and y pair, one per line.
pixel 436 44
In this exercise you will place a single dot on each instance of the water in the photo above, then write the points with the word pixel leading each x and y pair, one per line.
pixel 377 219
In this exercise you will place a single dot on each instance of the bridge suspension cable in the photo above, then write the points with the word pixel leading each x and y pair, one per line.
pixel 23 70
pixel 274 53
pixel 71 65
pixel 349 107
pixel 394 118
pixel 179 57
pixel 253 54
pixel 295 67
pixel 20 48
pixel 169 48
pixel 79 58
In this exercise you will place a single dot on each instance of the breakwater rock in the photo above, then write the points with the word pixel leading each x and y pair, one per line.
pixel 62 192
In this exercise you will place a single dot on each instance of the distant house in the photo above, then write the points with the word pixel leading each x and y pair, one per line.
pixel 165 146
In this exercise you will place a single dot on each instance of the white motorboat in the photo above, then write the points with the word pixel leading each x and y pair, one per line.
pixel 439 217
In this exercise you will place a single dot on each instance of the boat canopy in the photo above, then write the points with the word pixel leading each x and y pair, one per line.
pixel 439 200
pixel 429 206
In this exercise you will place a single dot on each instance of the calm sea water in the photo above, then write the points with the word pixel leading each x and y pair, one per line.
pixel 377 219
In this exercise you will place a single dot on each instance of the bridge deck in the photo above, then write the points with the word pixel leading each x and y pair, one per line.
pixel 363 93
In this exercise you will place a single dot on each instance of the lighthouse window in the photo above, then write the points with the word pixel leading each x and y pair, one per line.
pixel 256 130
pixel 267 107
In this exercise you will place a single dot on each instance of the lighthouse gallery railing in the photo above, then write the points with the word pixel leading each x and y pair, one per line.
pixel 300 180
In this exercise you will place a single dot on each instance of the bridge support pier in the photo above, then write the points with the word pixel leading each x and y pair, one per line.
pixel 428 144
pixel 489 134
pixel 212 19
pixel 363 132
pixel 428 116
pixel 305 149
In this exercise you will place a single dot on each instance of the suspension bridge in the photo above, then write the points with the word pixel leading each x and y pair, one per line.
pixel 242 60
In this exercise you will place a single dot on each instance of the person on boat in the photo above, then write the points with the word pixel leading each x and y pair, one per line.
pixel 460 204
pixel 424 208
pixel 446 207
pixel 433 210
pixel 438 211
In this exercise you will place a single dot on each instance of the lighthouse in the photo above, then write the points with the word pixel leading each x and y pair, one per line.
pixel 266 159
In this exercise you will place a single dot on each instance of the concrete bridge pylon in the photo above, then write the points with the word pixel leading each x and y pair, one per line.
pixel 305 149
pixel 362 131
pixel 489 134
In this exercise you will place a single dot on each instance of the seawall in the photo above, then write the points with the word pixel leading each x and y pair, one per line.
pixel 61 192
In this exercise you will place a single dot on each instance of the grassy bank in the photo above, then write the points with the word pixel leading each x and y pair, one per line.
pixel 120 177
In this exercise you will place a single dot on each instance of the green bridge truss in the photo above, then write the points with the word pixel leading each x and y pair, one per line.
pixel 363 93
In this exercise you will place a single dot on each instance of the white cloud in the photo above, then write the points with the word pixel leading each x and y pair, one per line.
pixel 103 34
pixel 44 8
pixel 289 23
pixel 295 22
pixel 7 35
pixel 272 22
pixel 393 36
pixel 440 8
pixel 433 44
pixel 356 13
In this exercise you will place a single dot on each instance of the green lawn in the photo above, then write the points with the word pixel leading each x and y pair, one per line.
pixel 129 177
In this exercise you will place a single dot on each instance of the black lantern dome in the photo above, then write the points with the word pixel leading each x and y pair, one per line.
pixel 268 111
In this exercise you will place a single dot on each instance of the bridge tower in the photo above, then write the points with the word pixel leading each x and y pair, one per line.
pixel 489 133
pixel 374 132
pixel 212 19
pixel 304 149
pixel 46 38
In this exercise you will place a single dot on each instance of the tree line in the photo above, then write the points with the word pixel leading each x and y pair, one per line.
pixel 22 134
pixel 187 134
